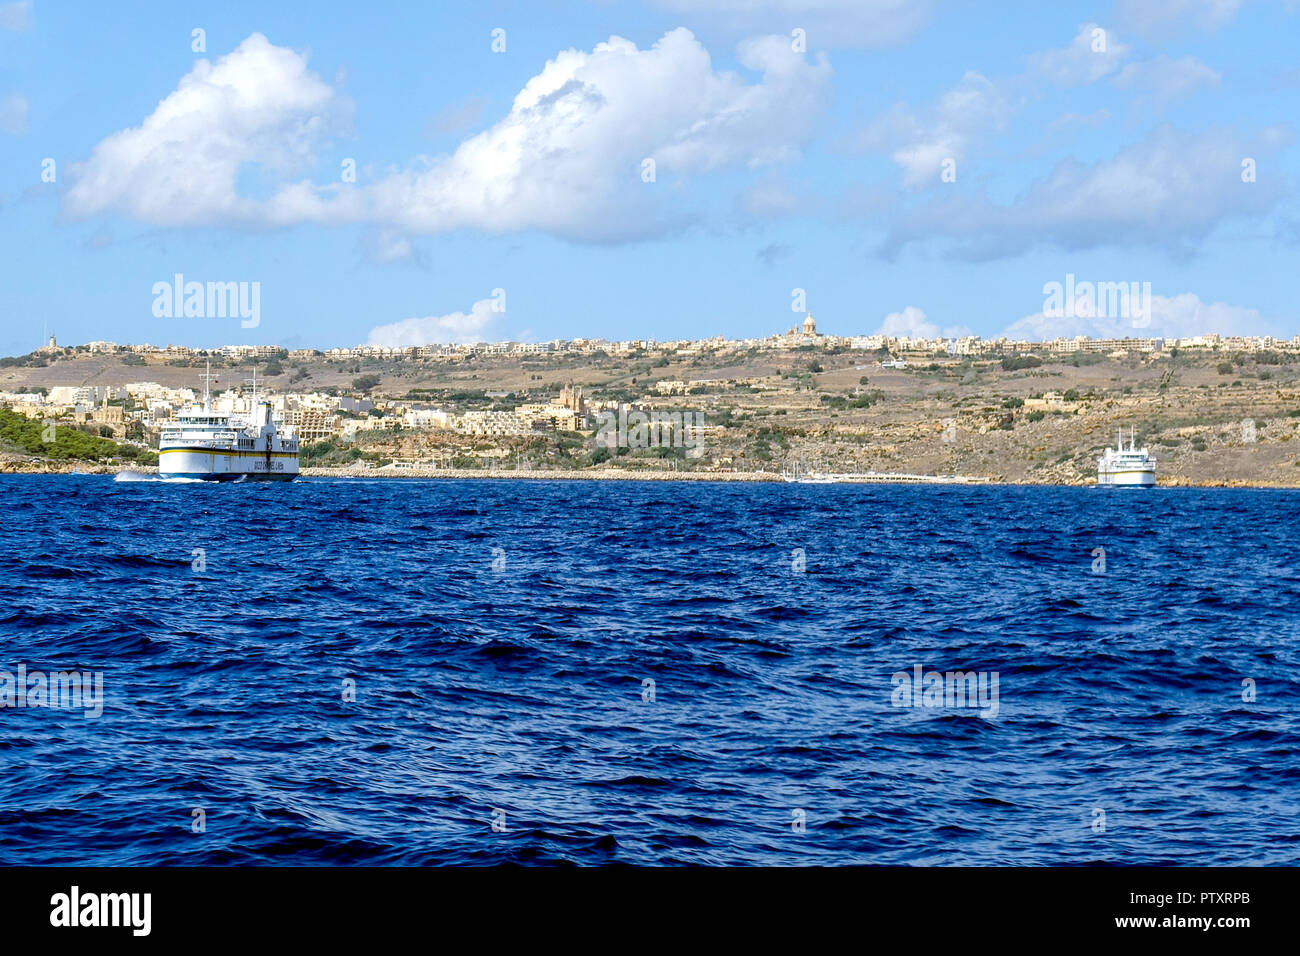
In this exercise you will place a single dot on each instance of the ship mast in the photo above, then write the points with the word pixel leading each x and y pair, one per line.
pixel 253 413
pixel 207 387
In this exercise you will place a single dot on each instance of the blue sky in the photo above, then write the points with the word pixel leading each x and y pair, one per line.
pixel 797 144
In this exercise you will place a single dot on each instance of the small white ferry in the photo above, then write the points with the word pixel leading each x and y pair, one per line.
pixel 1131 466
pixel 216 446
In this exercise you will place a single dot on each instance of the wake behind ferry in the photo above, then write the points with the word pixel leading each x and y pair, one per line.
pixel 219 446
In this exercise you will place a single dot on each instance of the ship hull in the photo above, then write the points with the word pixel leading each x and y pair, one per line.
pixel 1127 479
pixel 219 465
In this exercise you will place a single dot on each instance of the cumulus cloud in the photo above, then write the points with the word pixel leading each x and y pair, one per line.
pixel 921 142
pixel 977 107
pixel 1178 316
pixel 456 327
pixel 1093 54
pixel 912 323
pixel 16 16
pixel 826 23
pixel 182 165
pixel 1167 191
pixel 13 114
pixel 568 158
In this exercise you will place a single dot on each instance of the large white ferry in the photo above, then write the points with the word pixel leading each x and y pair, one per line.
pixel 1126 466
pixel 217 446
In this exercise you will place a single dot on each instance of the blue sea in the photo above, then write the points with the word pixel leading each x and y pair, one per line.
pixel 549 672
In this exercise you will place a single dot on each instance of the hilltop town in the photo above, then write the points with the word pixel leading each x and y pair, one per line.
pixel 1214 409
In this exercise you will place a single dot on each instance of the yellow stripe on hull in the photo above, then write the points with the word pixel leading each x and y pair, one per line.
pixel 219 451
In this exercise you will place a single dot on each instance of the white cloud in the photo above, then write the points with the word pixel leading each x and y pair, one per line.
pixel 912 323
pixel 259 104
pixel 964 115
pixel 1178 316
pixel 1163 79
pixel 1092 55
pixel 13 114
pixel 1151 17
pixel 567 159
pixel 1169 191
pixel 978 107
pixel 455 327
pixel 16 16
pixel 826 23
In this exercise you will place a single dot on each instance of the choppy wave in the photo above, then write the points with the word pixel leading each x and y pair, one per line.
pixel 136 476
pixel 648 673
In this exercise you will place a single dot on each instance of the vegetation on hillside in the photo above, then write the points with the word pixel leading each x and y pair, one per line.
pixel 329 453
pixel 68 443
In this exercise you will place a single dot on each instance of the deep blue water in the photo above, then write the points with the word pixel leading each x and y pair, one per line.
pixel 482 687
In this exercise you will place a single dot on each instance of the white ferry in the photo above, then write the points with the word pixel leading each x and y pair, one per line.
pixel 1126 466
pixel 215 446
